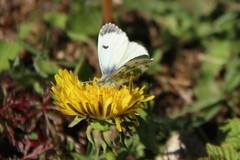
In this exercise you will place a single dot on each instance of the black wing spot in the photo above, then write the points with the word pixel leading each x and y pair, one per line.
pixel 105 47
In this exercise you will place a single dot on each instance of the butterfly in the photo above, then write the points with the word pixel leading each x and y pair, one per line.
pixel 119 59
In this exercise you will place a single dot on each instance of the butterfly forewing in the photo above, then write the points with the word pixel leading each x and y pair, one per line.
pixel 112 44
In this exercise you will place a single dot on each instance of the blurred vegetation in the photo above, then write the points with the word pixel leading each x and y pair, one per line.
pixel 195 76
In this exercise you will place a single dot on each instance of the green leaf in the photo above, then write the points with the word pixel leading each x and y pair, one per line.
pixel 80 63
pixel 85 21
pixel 200 7
pixel 25 76
pixel 203 104
pixel 70 144
pixel 56 19
pixel 220 49
pixel 217 54
pixel 1 128
pixel 33 136
pixel 207 108
pixel 226 24
pixel 8 51
pixel 78 36
pixel 77 156
pixel 45 67
pixel 228 150
pixel 100 125
pixel 28 47
pixel 24 29
pixel 232 78
pixel 75 121
pixel 146 129
pixel 150 7
pixel 110 156
pixel 38 88
pixel 232 131
pixel 89 135
pixel 224 152
pixel 207 88
pixel 232 126
pixel 204 29
pixel 210 112
pixel 134 147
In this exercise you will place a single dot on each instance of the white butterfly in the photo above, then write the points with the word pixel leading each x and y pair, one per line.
pixel 120 59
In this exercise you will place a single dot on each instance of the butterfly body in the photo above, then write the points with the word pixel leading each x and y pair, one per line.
pixel 119 58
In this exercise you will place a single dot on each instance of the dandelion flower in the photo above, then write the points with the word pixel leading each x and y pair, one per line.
pixel 91 101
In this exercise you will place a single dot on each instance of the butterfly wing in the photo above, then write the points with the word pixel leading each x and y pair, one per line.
pixel 132 68
pixel 133 50
pixel 112 44
pixel 120 59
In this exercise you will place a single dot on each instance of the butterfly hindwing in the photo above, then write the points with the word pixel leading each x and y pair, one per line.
pixel 132 68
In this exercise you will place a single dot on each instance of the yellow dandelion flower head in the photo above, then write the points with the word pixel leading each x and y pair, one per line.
pixel 94 101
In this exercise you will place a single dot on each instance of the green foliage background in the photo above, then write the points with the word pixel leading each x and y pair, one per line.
pixel 195 75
